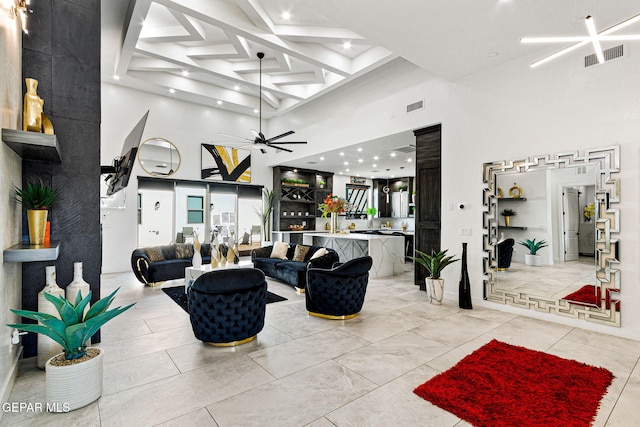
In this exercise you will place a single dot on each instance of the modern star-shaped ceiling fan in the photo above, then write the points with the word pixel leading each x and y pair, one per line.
pixel 259 138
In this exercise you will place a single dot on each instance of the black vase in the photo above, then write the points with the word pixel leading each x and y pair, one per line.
pixel 464 289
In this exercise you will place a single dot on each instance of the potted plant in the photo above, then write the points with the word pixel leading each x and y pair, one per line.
pixel 321 183
pixel 507 214
pixel 268 200
pixel 434 263
pixel 532 258
pixel 37 198
pixel 74 377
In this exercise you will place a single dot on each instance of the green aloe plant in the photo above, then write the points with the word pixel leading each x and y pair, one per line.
pixel 73 329
pixel 534 246
pixel 435 262
pixel 35 195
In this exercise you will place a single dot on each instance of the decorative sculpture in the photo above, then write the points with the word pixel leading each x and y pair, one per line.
pixel 33 119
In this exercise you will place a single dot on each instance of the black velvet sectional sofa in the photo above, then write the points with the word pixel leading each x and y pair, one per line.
pixel 292 272
pixel 159 263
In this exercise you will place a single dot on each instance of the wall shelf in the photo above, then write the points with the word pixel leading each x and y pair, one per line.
pixel 512 199
pixel 24 252
pixel 33 145
pixel 512 227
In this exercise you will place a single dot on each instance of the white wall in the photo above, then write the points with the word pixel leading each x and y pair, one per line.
pixel 187 126
pixel 10 212
pixel 505 112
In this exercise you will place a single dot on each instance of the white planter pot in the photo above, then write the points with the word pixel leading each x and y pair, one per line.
pixel 533 260
pixel 74 386
pixel 435 290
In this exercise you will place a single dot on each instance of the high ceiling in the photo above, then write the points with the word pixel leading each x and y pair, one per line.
pixel 204 51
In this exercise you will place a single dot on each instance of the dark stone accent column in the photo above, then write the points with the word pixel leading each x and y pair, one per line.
pixel 62 52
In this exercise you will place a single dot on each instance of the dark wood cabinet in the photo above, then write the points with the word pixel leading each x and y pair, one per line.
pixel 298 192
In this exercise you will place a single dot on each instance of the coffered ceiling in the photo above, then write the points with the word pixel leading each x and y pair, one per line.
pixel 205 52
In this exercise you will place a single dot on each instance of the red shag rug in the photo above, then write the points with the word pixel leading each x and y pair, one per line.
pixel 590 296
pixel 502 385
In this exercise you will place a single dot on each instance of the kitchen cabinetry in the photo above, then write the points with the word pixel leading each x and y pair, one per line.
pixel 393 197
pixel 298 192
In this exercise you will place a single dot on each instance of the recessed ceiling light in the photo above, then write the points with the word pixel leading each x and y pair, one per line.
pixel 360 160
pixel 346 163
pixel 185 73
pixel 236 87
pixel 409 160
pixel 393 154
pixel 116 77
pixel 295 170
pixel 375 157
pixel 371 176
pixel 374 165
pixel 346 45
pixel 342 153
pixel 393 176
pixel 359 149
pixel 172 90
pixel 255 111
pixel 347 169
pixel 219 102
pixel 286 15
pixel 321 158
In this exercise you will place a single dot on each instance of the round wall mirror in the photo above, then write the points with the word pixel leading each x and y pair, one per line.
pixel 159 157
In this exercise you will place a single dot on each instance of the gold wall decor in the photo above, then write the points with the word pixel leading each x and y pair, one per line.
pixel 33 118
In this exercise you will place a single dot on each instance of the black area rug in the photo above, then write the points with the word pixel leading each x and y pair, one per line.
pixel 176 293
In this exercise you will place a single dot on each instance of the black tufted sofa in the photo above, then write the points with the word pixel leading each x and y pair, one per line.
pixel 159 263
pixel 338 293
pixel 291 272
pixel 227 307
pixel 505 252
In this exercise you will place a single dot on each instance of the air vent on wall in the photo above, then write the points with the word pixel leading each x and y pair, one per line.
pixel 609 54
pixel 405 149
pixel 312 162
pixel 415 106
pixel 581 170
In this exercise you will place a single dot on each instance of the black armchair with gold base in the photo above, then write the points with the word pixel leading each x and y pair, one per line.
pixel 338 293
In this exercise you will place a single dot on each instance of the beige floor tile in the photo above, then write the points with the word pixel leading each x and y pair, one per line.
pixel 321 422
pixel 199 354
pixel 129 373
pixel 392 357
pixel 531 333
pixel 382 326
pixel 456 329
pixel 170 321
pixel 199 418
pixel 292 401
pixel 395 404
pixel 294 356
pixel 172 397
pixel 112 332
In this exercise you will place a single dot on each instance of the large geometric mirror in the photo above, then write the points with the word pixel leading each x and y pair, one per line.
pixel 568 201
pixel 159 157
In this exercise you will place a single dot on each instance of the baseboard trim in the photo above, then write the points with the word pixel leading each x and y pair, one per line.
pixel 8 383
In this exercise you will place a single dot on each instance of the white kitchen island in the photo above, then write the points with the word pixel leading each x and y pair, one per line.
pixel 387 251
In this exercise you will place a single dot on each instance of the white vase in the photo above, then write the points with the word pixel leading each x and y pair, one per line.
pixel 533 260
pixel 435 290
pixel 71 387
pixel 196 261
pixel 77 285
pixel 46 346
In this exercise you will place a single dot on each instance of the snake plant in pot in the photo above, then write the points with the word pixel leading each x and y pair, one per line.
pixel 434 263
pixel 74 377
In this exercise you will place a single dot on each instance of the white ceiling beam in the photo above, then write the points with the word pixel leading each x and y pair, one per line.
pixel 219 51
pixel 318 34
pixel 257 14
pixel 133 25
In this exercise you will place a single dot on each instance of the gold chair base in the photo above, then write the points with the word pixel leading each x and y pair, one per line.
pixel 501 269
pixel 328 316
pixel 232 343
pixel 300 290
pixel 155 284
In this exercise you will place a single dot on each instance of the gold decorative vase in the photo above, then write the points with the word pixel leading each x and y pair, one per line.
pixel 333 223
pixel 507 221
pixel 37 220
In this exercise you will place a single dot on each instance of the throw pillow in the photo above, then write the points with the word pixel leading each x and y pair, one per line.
pixel 184 250
pixel 154 254
pixel 300 252
pixel 279 250
pixel 320 252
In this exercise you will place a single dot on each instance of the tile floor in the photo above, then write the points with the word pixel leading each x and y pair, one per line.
pixel 305 371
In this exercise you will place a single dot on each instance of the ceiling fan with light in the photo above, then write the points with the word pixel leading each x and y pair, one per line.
pixel 259 138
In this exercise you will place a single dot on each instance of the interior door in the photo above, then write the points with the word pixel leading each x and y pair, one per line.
pixel 571 222
pixel 155 210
